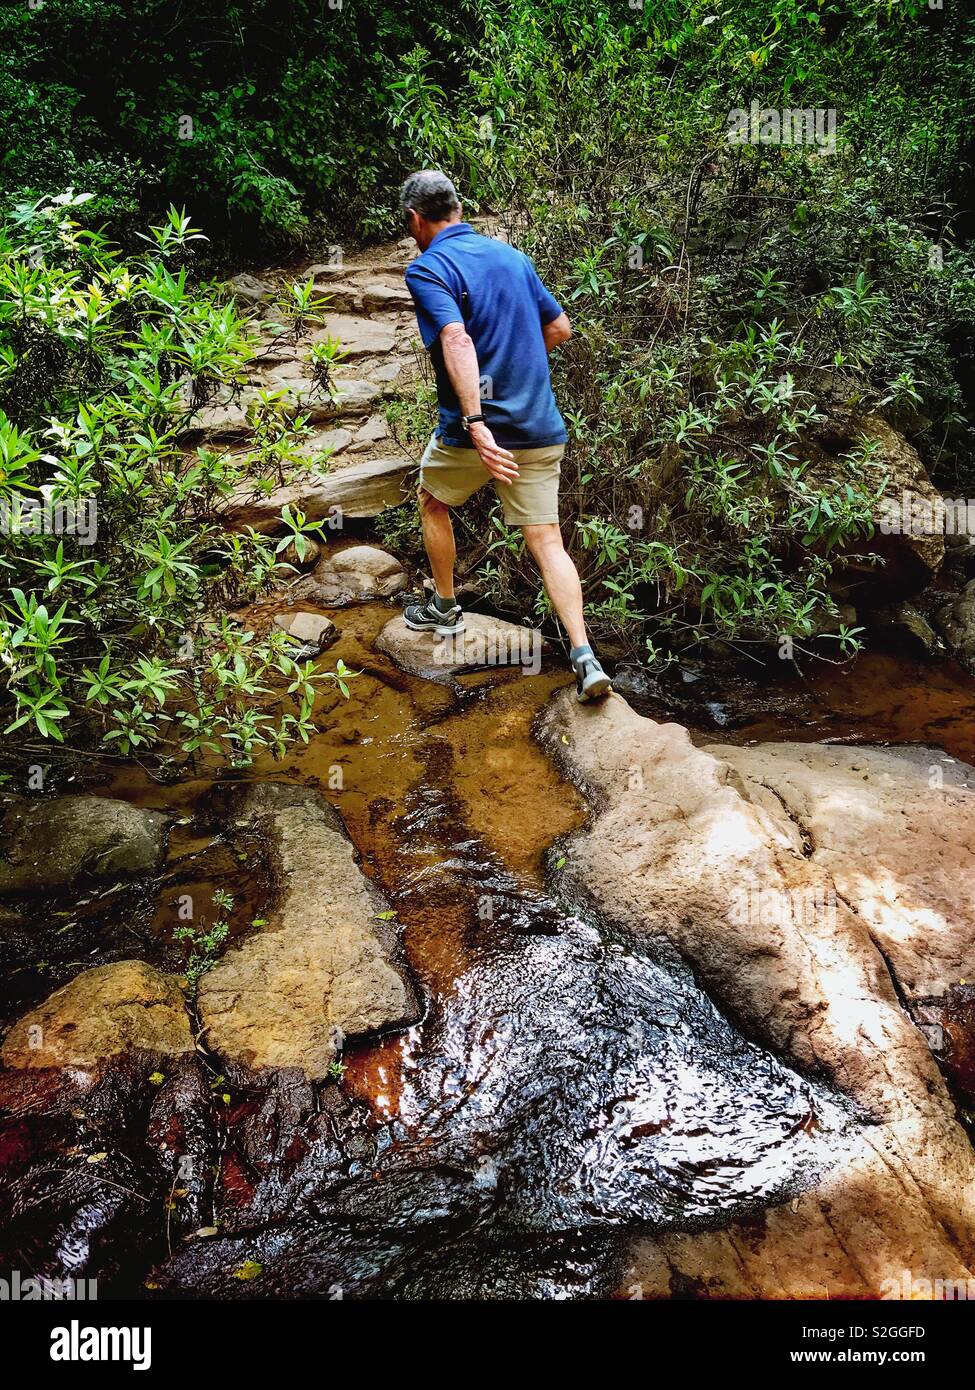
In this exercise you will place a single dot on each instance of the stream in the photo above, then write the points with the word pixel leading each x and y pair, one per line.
pixel 565 1090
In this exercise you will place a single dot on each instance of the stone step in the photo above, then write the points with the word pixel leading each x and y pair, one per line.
pixel 485 642
pixel 356 269
pixel 358 336
pixel 360 488
pixel 355 574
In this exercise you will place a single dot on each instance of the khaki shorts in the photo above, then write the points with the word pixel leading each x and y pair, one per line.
pixel 451 475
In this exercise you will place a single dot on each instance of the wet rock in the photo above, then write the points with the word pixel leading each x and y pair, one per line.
pixel 948 1023
pixel 355 489
pixel 907 621
pixel 570 1086
pixel 325 967
pixel 183 1136
pixel 93 1191
pixel 355 575
pixel 486 642
pixel 960 557
pixel 957 622
pixel 104 1013
pixel 52 844
pixel 794 881
pixel 312 628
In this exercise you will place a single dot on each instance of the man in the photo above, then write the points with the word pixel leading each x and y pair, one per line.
pixel 487 320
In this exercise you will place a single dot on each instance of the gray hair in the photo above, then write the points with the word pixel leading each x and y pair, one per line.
pixel 429 193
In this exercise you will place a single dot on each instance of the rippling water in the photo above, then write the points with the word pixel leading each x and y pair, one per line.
pixel 565 1089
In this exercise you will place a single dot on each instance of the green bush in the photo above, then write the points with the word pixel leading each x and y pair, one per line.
pixel 263 115
pixel 115 633
pixel 722 294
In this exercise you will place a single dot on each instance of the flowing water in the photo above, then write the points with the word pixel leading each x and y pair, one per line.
pixel 564 1090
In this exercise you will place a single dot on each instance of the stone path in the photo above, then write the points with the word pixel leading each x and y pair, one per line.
pixel 358 469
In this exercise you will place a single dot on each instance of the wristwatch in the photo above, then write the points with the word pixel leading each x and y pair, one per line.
pixel 468 420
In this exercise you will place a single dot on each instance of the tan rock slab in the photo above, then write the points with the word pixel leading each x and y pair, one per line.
pixel 325 968
pixel 107 1012
pixel 812 889
pixel 486 642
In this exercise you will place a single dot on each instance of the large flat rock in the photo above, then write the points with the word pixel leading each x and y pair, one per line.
pixel 104 1013
pixel 358 336
pixel 486 642
pixel 325 968
pixel 894 829
pixel 812 890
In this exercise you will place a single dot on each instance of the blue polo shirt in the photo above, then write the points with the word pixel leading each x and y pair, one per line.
pixel 495 291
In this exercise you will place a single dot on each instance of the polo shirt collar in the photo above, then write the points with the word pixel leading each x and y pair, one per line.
pixel 455 229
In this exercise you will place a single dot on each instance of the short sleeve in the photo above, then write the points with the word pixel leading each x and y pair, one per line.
pixel 549 307
pixel 434 301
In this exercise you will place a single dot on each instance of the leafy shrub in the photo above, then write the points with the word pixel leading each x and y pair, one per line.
pixel 261 115
pixel 124 642
pixel 723 295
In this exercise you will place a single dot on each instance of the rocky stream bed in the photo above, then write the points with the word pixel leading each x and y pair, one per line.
pixel 516 999
pixel 571 1070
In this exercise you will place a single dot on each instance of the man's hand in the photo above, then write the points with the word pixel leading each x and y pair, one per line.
pixel 460 360
pixel 498 462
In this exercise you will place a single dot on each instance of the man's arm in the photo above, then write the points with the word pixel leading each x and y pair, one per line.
pixel 557 331
pixel 460 360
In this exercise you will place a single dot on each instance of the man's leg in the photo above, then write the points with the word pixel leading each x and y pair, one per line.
pixel 560 577
pixel 561 580
pixel 440 614
pixel 438 537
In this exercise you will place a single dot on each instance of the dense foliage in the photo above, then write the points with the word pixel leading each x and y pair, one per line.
pixel 726 295
pixel 116 566
pixel 731 291
pixel 257 114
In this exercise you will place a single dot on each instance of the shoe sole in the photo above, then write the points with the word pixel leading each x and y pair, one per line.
pixel 601 686
pixel 440 629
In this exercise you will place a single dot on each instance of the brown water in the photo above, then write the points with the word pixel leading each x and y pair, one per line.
pixel 883 696
pixel 565 1088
